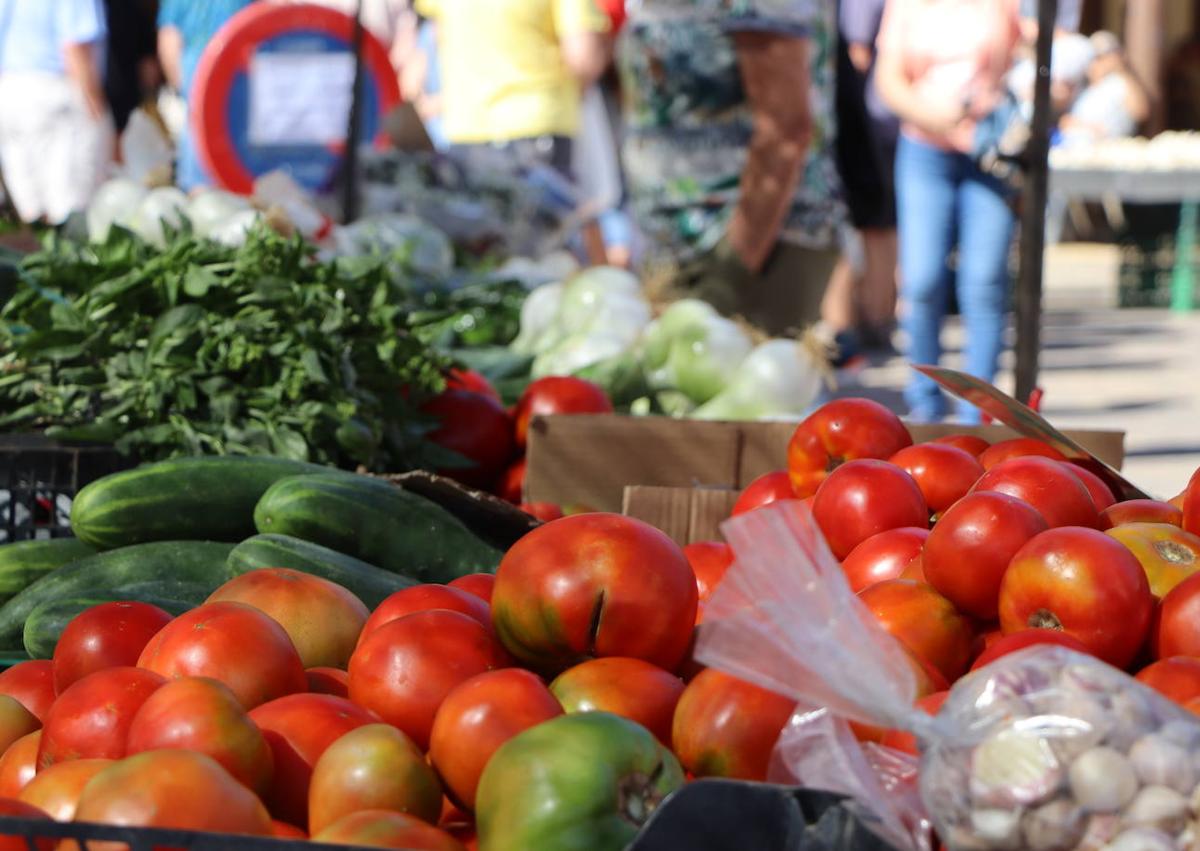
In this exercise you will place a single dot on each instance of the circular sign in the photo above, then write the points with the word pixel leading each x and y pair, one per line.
pixel 274 89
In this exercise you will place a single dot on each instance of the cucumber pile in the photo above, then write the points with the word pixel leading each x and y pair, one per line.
pixel 171 533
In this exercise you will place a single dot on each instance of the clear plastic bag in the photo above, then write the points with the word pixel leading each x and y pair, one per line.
pixel 1045 749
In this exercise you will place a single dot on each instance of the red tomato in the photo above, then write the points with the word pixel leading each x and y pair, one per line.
pixel 1189 504
pixel 16 722
pixel 904 741
pixel 915 570
pixel 1176 628
pixel 476 427
pixel 332 681
pixel 1140 511
pixel 1082 582
pixel 1101 493
pixel 283 830
pixel 404 670
pixel 630 688
pixel 1056 492
pixel 883 556
pixel 32 684
pixel 1018 447
pixel 177 789
pixel 91 719
pixel 19 764
pixel 863 498
pixel 558 395
pixel 544 511
pixel 943 473
pixel 726 727
pixel 425 598
pixel 709 561
pixel 580 587
pixel 56 790
pixel 11 808
pixel 231 642
pixel 375 767
pixel 110 635
pixel 387 829
pixel 480 715
pixel 1176 677
pixel 839 431
pixel 969 443
pixel 203 715
pixel 764 490
pixel 969 549
pixel 511 486
pixel 924 621
pixel 1015 641
pixel 299 728
pixel 479 585
pixel 321 618
pixel 1167 553
pixel 472 381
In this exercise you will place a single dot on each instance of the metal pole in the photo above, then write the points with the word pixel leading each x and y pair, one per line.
pixel 353 131
pixel 1033 217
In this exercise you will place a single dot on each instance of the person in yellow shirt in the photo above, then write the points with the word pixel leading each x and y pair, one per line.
pixel 513 73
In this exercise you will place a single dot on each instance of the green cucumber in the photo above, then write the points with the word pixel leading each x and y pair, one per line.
pixel 201 563
pixel 376 522
pixel 202 499
pixel 23 563
pixel 369 583
pixel 47 621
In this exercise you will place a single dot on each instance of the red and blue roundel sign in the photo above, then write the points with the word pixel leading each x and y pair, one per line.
pixel 273 91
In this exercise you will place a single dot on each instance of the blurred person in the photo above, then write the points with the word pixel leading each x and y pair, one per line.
pixel 421 84
pixel 941 68
pixel 132 73
pixel 729 163
pixel 56 131
pixel 513 73
pixel 185 27
pixel 1113 104
pixel 1071 56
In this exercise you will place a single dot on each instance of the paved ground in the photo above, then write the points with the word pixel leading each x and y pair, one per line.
pixel 1102 368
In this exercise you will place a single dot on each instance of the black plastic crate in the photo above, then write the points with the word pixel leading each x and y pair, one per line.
pixel 38 479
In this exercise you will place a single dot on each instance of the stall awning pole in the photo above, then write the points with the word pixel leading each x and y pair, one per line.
pixel 1033 217
pixel 350 199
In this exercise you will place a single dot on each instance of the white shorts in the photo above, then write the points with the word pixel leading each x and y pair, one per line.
pixel 53 154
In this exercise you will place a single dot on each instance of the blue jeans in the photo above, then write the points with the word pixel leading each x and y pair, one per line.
pixel 945 202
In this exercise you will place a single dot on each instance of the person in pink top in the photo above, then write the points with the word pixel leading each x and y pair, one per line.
pixel 941 69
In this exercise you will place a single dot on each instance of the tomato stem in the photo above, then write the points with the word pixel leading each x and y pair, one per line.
pixel 1045 619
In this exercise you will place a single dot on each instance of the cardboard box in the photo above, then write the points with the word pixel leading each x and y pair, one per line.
pixel 589 460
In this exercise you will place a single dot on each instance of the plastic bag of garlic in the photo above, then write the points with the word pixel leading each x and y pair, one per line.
pixel 1045 749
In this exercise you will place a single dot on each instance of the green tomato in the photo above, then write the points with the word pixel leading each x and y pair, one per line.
pixel 583 782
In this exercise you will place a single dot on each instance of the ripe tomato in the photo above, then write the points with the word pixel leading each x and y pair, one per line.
pixel 558 395
pixel 479 585
pixel 477 428
pixel 404 670
pixel 1176 677
pixel 883 556
pixel 375 767
pixel 1056 492
pixel 943 473
pixel 916 569
pixel 56 790
pixel 424 598
pixel 839 431
pixel 726 727
pixel 969 549
pixel 709 561
pixel 1018 447
pixel 863 498
pixel 298 729
pixel 970 443
pixel 203 715
pixel 480 715
pixel 906 742
pixel 1015 641
pixel 545 511
pixel 16 722
pixel 1176 628
pixel 630 688
pixel 283 830
pixel 91 719
pixel 387 829
pixel 1098 489
pixel 580 587
pixel 511 486
pixel 924 621
pixel 106 636
pixel 19 764
pixel 1082 582
pixel 178 789
pixel 12 808
pixel 764 490
pixel 321 618
pixel 234 643
pixel 1189 504
pixel 32 684
pixel 469 379
pixel 1140 511
pixel 1167 553
pixel 332 681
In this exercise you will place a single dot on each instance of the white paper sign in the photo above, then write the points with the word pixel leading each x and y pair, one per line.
pixel 300 98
